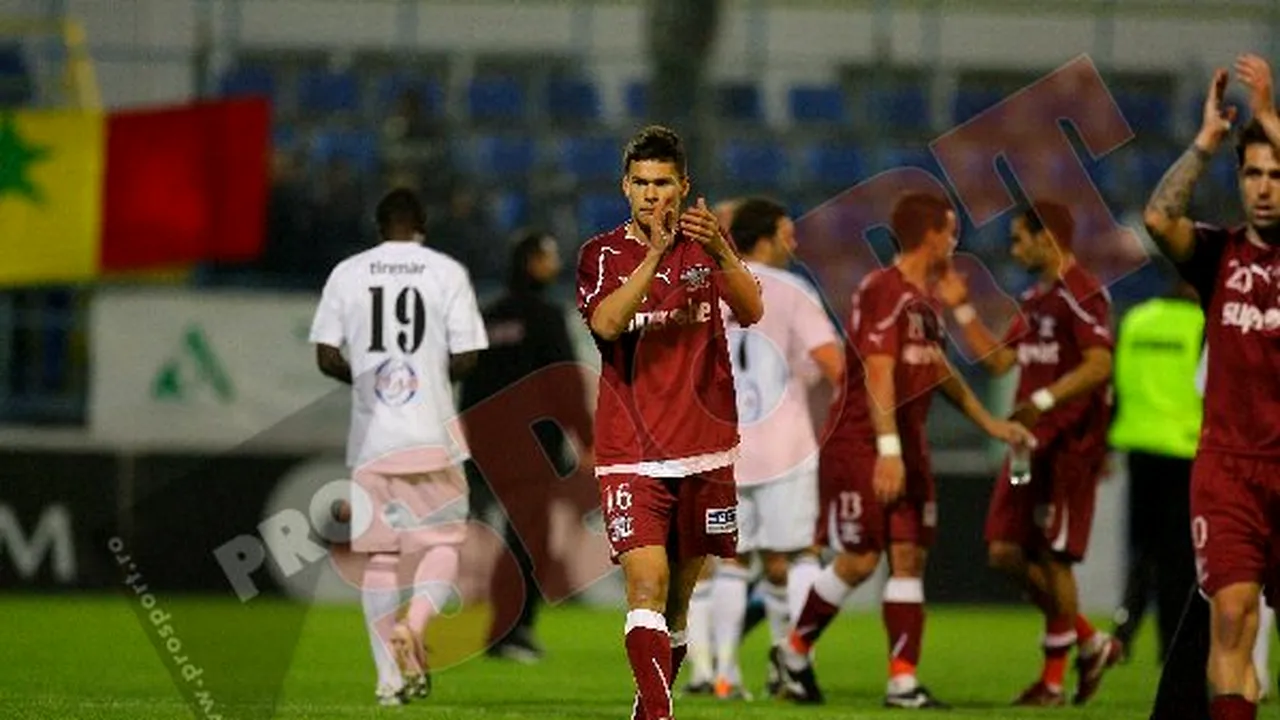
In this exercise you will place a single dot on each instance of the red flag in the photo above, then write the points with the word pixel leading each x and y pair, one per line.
pixel 185 185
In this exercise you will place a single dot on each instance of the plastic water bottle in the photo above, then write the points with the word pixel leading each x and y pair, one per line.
pixel 1019 465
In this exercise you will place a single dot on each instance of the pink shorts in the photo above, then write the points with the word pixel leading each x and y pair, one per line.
pixel 1235 502
pixel 690 516
pixel 404 512
pixel 851 519
pixel 1055 510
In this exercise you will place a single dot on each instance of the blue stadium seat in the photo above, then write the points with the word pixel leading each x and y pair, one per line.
pixel 817 104
pixel 1223 171
pixel 752 162
pixel 839 165
pixel 16 87
pixel 392 86
pixel 507 156
pixel 966 104
pixel 323 91
pixel 892 158
pixel 739 101
pixel 248 80
pixel 901 108
pixel 591 159
pixel 637 100
pixel 1152 165
pixel 358 147
pixel 600 212
pixel 510 210
pixel 496 99
pixel 1147 112
pixel 572 100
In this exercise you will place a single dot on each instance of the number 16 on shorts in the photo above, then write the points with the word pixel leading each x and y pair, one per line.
pixel 617 508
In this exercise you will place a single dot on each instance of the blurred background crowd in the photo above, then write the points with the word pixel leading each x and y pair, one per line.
pixel 512 115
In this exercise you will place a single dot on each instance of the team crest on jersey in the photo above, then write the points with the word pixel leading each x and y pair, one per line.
pixel 696 277
pixel 395 382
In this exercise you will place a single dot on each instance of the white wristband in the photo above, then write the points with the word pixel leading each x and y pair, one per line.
pixel 888 446
pixel 965 314
pixel 1043 400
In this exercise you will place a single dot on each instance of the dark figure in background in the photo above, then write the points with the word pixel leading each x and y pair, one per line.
pixel 681 33
pixel 528 332
pixel 1159 412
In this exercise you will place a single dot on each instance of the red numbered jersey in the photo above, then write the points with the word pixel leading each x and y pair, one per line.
pixel 891 317
pixel 666 406
pixel 1056 325
pixel 1239 284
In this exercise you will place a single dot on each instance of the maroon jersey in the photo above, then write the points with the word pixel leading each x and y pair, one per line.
pixel 890 317
pixel 1239 285
pixel 666 405
pixel 1056 325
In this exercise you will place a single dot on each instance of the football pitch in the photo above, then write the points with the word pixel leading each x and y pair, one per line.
pixel 76 656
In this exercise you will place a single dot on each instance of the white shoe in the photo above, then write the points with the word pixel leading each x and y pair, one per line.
pixel 391 697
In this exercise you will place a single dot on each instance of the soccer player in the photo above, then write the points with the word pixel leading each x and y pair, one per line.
pixel 774 364
pixel 408 319
pixel 1061 343
pixel 1235 482
pixel 876 484
pixel 666 420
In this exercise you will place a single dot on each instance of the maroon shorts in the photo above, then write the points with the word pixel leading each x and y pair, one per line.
pixel 1055 510
pixel 690 516
pixel 851 519
pixel 1234 503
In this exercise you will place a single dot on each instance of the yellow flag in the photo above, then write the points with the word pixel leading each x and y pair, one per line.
pixel 51 170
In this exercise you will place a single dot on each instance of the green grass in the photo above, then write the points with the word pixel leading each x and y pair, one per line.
pixel 89 657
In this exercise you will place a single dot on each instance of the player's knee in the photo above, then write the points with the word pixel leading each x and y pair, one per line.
pixel 775 567
pixel 1235 616
pixel 853 568
pixel 906 560
pixel 1005 557
pixel 647 587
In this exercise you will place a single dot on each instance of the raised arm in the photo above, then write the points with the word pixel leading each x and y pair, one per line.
pixel 739 287
pixel 614 313
pixel 1166 213
pixel 1255 74
pixel 998 358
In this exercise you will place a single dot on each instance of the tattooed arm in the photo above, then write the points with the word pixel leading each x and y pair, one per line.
pixel 1166 212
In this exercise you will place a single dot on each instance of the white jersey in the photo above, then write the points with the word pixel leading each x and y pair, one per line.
pixel 400 310
pixel 772 373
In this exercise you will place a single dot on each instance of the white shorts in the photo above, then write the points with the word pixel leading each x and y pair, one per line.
pixel 779 515
pixel 409 512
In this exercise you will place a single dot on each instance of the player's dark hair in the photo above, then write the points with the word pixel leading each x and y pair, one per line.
pixel 1054 216
pixel 915 215
pixel 1251 134
pixel 656 142
pixel 756 218
pixel 400 208
pixel 527 245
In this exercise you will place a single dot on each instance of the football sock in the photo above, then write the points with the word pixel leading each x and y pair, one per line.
pixel 1085 631
pixel 775 608
pixel 380 598
pixel 701 668
pixel 1059 637
pixel 649 652
pixel 729 598
pixel 433 586
pixel 820 608
pixel 679 648
pixel 1232 707
pixel 903 613
pixel 800 578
